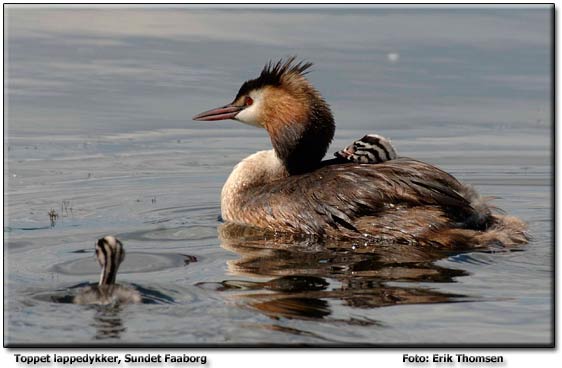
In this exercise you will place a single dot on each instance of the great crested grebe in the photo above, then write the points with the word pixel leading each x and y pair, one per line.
pixel 291 190
pixel 110 254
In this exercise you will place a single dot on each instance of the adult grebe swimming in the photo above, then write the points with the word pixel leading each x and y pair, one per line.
pixel 110 254
pixel 290 189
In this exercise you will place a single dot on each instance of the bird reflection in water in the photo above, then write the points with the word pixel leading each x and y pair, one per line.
pixel 106 320
pixel 307 277
pixel 108 323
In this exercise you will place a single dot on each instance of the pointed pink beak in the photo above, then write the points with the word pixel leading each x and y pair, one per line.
pixel 220 113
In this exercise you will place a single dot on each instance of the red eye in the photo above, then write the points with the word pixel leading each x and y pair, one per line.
pixel 249 101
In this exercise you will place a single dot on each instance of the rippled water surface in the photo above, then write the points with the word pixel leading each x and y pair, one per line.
pixel 98 130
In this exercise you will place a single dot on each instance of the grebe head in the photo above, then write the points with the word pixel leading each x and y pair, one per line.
pixel 371 149
pixel 296 117
pixel 110 254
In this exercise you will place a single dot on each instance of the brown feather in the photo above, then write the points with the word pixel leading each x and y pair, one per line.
pixel 401 201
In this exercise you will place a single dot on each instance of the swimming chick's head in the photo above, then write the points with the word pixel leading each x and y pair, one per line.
pixel 110 254
pixel 281 100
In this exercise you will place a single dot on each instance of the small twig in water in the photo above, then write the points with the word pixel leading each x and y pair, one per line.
pixel 53 216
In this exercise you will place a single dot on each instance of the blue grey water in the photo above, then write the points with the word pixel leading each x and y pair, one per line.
pixel 98 128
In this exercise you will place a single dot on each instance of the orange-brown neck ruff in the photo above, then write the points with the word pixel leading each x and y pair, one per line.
pixel 299 123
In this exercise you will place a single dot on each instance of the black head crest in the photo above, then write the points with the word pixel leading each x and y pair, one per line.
pixel 272 74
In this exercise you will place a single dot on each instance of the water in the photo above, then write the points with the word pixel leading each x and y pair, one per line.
pixel 98 129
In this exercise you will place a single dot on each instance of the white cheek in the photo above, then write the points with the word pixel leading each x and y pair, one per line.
pixel 249 115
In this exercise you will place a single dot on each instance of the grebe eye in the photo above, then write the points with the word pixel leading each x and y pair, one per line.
pixel 249 101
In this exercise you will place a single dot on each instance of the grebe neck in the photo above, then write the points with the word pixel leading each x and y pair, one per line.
pixel 300 125
pixel 301 148
pixel 108 275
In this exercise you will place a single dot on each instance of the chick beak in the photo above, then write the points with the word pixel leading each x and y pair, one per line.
pixel 220 113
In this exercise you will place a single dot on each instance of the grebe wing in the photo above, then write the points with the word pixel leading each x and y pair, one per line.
pixel 336 195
